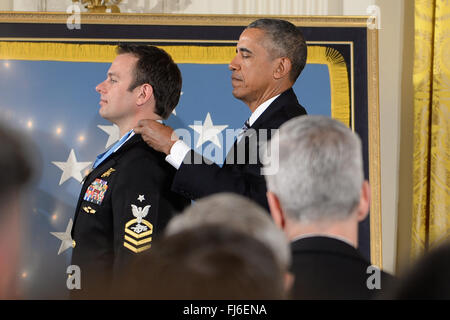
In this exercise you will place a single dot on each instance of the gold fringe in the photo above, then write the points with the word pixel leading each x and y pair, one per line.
pixel 106 53
pixel 340 104
pixel 56 52
pixel 340 94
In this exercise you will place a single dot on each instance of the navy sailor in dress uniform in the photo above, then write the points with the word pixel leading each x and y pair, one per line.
pixel 126 199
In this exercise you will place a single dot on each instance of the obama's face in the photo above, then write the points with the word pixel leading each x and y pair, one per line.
pixel 252 67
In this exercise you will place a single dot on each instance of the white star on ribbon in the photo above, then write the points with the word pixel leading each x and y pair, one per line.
pixel 208 131
pixel 65 237
pixel 113 132
pixel 71 168
pixel 141 198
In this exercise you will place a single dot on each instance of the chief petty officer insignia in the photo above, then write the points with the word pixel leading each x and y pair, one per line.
pixel 96 191
pixel 138 231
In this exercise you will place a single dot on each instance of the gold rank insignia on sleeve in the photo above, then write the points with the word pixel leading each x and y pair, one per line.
pixel 138 231
pixel 108 172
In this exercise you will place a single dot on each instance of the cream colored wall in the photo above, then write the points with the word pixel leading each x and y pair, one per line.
pixel 279 7
pixel 267 7
pixel 396 53
pixel 395 60
pixel 390 62
pixel 6 5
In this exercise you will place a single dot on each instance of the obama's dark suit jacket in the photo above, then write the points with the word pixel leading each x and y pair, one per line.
pixel 242 175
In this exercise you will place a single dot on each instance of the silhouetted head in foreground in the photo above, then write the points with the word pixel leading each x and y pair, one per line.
pixel 15 171
pixel 209 262
pixel 429 278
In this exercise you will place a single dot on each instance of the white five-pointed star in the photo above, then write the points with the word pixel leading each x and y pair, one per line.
pixel 113 132
pixel 71 168
pixel 65 237
pixel 141 198
pixel 208 131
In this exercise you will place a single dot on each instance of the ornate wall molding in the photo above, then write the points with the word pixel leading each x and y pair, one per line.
pixel 270 7
pixel 177 19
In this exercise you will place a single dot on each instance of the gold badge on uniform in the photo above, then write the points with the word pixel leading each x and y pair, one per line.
pixel 138 231
pixel 108 172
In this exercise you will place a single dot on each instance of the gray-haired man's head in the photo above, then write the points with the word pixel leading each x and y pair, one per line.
pixel 320 172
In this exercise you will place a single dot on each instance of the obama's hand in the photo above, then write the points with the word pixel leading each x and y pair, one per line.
pixel 157 135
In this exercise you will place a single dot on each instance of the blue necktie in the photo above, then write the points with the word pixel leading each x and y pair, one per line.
pixel 101 157
pixel 246 126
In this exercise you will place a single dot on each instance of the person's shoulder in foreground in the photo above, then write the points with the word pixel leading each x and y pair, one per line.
pixel 427 279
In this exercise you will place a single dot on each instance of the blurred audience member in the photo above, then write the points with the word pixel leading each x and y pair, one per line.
pixel 429 278
pixel 15 171
pixel 239 213
pixel 209 262
pixel 318 196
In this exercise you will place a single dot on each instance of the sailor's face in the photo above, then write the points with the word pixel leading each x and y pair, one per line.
pixel 116 101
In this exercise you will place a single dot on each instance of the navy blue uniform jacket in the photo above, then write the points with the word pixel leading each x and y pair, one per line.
pixel 123 204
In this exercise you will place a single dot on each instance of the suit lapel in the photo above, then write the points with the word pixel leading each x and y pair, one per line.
pixel 231 157
pixel 285 98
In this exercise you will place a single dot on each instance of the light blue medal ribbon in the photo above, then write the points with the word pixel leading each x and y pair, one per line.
pixel 101 157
